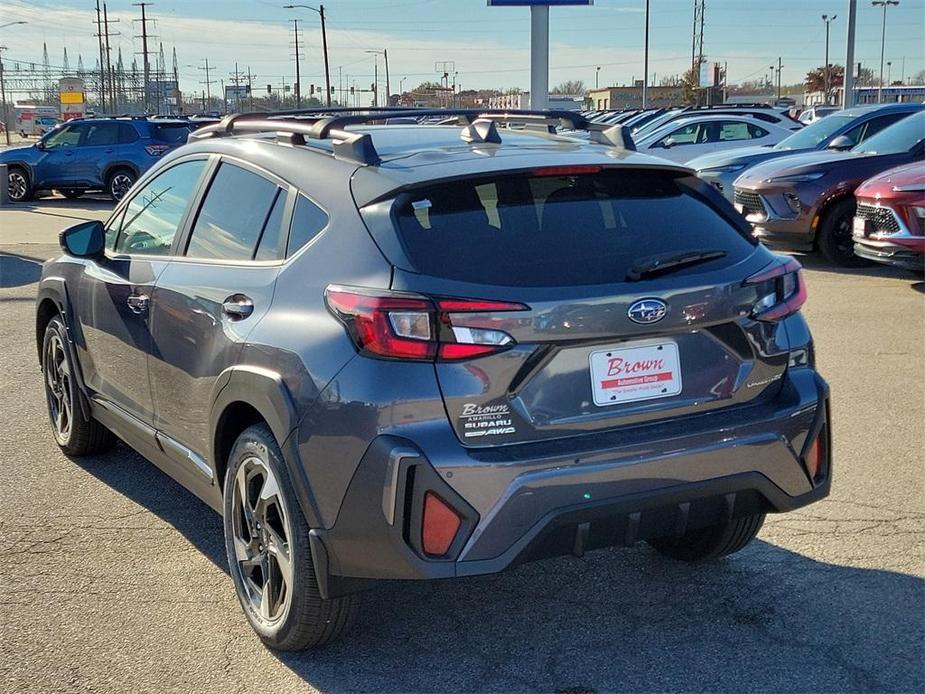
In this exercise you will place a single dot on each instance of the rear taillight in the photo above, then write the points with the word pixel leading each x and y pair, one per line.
pixel 439 526
pixel 814 458
pixel 781 291
pixel 399 325
pixel 156 150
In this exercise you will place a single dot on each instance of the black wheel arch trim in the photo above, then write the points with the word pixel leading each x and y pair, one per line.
pixel 265 391
pixel 115 166
pixel 54 289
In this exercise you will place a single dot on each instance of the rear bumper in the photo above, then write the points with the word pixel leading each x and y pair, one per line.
pixel 527 501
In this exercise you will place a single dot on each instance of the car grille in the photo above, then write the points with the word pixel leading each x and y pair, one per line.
pixel 881 218
pixel 750 202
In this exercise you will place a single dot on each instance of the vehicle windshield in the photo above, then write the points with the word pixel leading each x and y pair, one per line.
pixel 899 137
pixel 815 133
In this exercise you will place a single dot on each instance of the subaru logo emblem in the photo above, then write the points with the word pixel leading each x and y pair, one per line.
pixel 647 311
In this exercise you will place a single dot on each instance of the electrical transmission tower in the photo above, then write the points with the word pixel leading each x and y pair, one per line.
pixel 144 48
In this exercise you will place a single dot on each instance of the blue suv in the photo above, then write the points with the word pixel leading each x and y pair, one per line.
pixel 107 154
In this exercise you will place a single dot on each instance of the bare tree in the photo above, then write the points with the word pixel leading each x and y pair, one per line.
pixel 571 88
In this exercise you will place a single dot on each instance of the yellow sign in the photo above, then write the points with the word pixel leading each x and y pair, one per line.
pixel 72 97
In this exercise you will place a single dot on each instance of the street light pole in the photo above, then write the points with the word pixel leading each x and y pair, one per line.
pixel 889 72
pixel 884 4
pixel 298 80
pixel 324 44
pixel 597 74
pixel 828 79
pixel 6 120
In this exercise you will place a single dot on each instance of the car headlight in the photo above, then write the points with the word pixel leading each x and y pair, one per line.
pixel 731 168
pixel 798 178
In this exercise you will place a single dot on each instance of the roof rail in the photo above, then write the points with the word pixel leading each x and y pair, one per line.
pixel 479 125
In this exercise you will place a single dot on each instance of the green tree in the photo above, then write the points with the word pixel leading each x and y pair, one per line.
pixel 815 78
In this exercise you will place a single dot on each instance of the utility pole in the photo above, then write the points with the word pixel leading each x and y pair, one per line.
pixel 144 49
pixel 828 69
pixel 6 121
pixel 388 92
pixel 848 99
pixel 324 45
pixel 779 66
pixel 250 89
pixel 298 85
pixel 99 36
pixel 645 69
pixel 884 4
pixel 109 71
pixel 207 83
pixel 376 80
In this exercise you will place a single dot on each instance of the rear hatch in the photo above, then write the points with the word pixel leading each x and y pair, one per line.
pixel 621 299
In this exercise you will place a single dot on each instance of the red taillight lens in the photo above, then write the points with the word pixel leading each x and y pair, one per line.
pixel 396 325
pixel 156 150
pixel 782 290
pixel 439 526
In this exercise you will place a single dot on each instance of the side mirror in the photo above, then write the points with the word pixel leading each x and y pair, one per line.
pixel 841 143
pixel 40 144
pixel 84 240
pixel 669 143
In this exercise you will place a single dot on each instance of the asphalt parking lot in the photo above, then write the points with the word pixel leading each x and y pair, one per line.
pixel 115 578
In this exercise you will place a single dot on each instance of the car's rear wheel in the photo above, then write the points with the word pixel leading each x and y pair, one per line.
pixel 266 540
pixel 836 235
pixel 20 189
pixel 120 181
pixel 711 542
pixel 76 434
pixel 71 193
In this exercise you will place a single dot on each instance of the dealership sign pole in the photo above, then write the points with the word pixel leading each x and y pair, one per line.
pixel 539 43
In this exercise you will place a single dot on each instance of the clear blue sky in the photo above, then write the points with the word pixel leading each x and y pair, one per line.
pixel 490 46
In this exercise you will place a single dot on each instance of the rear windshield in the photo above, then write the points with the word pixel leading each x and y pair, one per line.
pixel 172 133
pixel 560 229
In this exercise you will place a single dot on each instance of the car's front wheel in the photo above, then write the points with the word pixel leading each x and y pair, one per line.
pixel 75 433
pixel 836 240
pixel 266 540
pixel 120 182
pixel 19 187
pixel 712 542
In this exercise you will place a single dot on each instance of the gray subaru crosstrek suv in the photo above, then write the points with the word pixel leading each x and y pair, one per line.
pixel 424 351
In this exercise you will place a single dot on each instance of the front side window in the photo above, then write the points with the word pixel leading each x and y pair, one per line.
pixel 233 215
pixel 682 136
pixel 153 216
pixel 68 136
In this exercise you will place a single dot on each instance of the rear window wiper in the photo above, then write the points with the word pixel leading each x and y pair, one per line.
pixel 669 262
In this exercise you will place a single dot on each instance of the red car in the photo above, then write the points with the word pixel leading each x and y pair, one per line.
pixel 889 225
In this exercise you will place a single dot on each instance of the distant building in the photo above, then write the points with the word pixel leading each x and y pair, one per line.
pixel 869 95
pixel 613 98
pixel 521 100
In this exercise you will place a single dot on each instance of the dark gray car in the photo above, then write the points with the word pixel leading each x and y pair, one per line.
pixel 417 352
pixel 839 131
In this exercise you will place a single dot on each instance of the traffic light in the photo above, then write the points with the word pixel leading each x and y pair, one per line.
pixel 270 89
pixel 351 91
pixel 311 90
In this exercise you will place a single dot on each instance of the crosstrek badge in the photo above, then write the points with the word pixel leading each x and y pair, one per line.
pixel 629 374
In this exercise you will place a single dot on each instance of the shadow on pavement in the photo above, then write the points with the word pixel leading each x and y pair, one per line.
pixel 816 263
pixel 766 619
pixel 17 270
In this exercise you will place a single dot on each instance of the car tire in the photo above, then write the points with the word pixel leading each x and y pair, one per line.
pixel 711 542
pixel 71 193
pixel 835 235
pixel 74 433
pixel 19 185
pixel 119 183
pixel 266 541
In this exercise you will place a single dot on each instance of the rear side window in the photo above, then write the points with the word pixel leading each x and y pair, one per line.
pixel 233 215
pixel 173 133
pixel 127 133
pixel 558 230
pixel 307 222
pixel 102 134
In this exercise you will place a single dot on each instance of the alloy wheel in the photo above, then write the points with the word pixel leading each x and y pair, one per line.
pixel 261 535
pixel 119 185
pixel 843 235
pixel 18 185
pixel 58 389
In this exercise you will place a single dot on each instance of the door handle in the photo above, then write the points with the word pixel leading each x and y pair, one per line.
pixel 238 307
pixel 138 303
